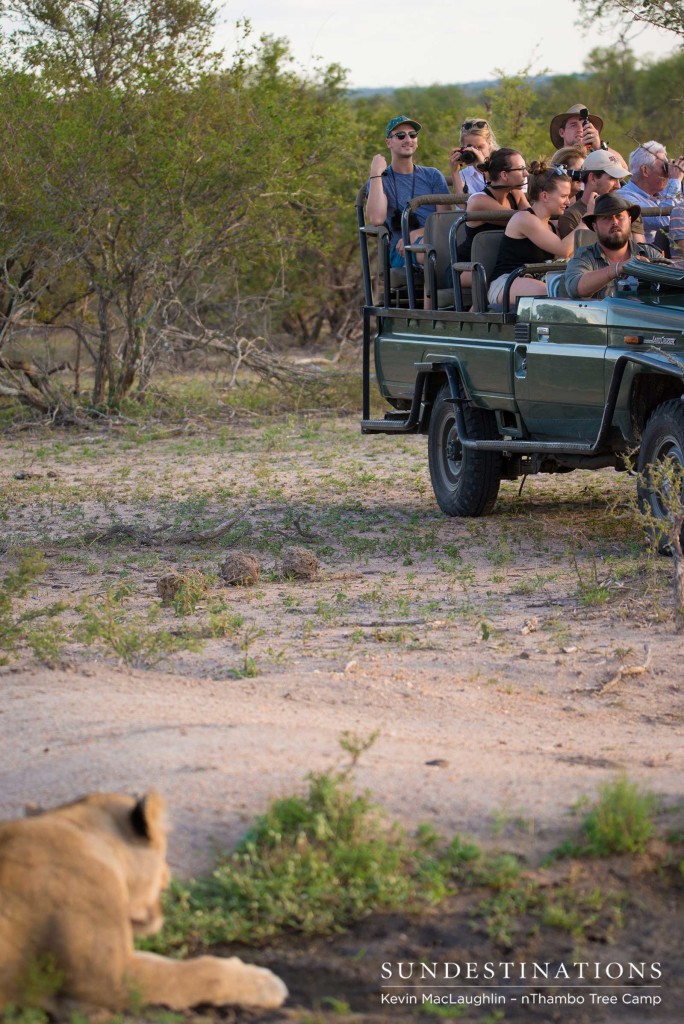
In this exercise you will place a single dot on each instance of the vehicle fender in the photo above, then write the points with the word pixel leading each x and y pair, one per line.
pixel 437 372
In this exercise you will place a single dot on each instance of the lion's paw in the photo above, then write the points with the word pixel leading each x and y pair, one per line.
pixel 269 991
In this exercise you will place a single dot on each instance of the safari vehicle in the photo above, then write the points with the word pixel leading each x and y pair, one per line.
pixel 554 385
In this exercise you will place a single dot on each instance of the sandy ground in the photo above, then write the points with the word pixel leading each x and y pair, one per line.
pixel 530 656
pixel 510 666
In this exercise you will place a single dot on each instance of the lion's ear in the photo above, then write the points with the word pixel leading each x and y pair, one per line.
pixel 148 817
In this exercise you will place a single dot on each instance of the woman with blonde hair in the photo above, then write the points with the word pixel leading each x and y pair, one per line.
pixel 529 236
pixel 477 142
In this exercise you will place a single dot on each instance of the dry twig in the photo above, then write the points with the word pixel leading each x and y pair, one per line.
pixel 627 670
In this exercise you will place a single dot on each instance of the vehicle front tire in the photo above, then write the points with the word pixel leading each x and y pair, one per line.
pixel 663 439
pixel 465 482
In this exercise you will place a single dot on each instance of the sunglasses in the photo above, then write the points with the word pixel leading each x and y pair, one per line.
pixel 474 124
pixel 402 135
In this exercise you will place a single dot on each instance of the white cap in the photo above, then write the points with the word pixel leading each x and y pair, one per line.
pixel 599 160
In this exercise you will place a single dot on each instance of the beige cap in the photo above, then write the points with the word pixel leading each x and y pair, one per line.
pixel 600 160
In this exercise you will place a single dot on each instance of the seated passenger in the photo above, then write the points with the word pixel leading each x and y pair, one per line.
pixel 572 158
pixel 601 173
pixel 477 142
pixel 595 269
pixel 529 236
pixel 507 175
pixel 391 188
pixel 656 181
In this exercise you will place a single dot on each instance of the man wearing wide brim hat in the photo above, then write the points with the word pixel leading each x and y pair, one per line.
pixel 594 270
pixel 571 129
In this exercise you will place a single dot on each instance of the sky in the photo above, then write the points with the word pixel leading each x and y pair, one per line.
pixel 427 42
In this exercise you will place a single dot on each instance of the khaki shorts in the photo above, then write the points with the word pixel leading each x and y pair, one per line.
pixel 495 292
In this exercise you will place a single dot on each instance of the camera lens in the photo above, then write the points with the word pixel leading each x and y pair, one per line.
pixel 469 156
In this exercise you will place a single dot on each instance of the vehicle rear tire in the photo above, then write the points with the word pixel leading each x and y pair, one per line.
pixel 465 482
pixel 663 439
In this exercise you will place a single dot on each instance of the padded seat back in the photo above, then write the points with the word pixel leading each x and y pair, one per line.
pixel 583 236
pixel 485 251
pixel 436 234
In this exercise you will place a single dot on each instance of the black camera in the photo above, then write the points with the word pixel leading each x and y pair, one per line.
pixel 469 156
pixel 584 115
pixel 573 175
pixel 395 222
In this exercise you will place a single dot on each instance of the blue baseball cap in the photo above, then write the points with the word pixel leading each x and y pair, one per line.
pixel 396 121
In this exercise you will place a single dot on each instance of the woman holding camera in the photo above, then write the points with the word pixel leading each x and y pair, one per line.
pixel 529 236
pixel 477 143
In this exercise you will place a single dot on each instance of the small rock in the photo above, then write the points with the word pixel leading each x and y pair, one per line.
pixel 299 563
pixel 239 569
pixel 438 762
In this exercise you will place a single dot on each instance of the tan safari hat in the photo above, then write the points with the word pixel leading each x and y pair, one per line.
pixel 560 119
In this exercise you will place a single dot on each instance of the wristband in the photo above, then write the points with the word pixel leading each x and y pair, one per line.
pixel 617 270
pixel 376 176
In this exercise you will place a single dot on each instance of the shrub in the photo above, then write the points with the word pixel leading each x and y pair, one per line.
pixel 621 820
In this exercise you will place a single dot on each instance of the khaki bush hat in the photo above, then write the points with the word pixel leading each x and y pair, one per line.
pixel 560 119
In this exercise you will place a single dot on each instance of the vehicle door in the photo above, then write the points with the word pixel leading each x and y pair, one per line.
pixel 559 360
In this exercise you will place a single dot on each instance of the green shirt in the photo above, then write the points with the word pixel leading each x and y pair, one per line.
pixel 592 257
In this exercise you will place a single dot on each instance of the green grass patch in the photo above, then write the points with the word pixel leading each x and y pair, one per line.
pixel 17 628
pixel 317 863
pixel 313 864
pixel 620 821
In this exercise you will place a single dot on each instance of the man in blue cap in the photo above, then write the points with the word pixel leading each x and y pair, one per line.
pixel 391 187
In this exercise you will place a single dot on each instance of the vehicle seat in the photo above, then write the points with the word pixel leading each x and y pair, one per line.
pixel 436 235
pixel 555 286
pixel 485 252
pixel 583 236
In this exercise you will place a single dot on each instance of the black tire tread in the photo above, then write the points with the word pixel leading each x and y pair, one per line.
pixel 667 418
pixel 478 487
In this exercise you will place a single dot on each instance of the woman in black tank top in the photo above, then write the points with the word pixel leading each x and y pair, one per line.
pixel 529 237
pixel 505 169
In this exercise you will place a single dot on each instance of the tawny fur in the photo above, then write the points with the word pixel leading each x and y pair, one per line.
pixel 76 883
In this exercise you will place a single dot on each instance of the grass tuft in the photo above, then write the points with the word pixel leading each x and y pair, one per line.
pixel 621 820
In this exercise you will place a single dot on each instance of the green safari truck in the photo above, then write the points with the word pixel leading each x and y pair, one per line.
pixel 555 385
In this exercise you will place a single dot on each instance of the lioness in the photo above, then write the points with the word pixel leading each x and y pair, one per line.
pixel 76 883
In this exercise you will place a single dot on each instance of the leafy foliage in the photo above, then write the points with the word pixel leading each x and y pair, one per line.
pixel 312 864
pixel 666 14
pixel 156 202
pixel 76 43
